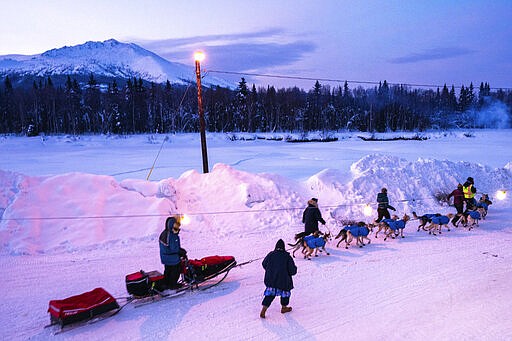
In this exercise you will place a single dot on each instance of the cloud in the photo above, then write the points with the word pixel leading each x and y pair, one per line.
pixel 235 52
pixel 250 56
pixel 433 54
pixel 163 44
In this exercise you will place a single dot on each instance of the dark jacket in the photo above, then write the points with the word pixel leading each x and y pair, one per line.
pixel 310 218
pixel 279 268
pixel 383 201
pixel 458 196
pixel 169 244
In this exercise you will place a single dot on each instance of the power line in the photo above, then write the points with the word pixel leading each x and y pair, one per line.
pixel 193 214
pixel 339 80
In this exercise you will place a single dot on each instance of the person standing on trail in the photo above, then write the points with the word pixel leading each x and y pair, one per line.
pixel 279 269
pixel 383 205
pixel 458 202
pixel 469 193
pixel 171 252
pixel 310 218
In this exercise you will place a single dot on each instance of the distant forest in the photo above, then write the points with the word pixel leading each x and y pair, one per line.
pixel 140 107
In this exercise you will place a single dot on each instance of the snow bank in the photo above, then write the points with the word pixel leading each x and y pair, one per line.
pixel 68 212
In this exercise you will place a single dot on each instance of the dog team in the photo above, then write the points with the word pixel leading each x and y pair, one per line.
pixel 312 240
pixel 280 267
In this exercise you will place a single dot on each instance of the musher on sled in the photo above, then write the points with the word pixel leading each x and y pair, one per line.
pixel 171 252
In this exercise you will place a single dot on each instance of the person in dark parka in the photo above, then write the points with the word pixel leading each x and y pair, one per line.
pixel 383 205
pixel 310 218
pixel 279 269
pixel 171 252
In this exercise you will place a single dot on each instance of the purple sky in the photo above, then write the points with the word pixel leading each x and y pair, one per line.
pixel 414 42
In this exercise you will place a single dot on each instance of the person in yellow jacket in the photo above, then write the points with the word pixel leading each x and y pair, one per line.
pixel 469 191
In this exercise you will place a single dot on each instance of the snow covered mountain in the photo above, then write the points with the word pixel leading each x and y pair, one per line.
pixel 109 58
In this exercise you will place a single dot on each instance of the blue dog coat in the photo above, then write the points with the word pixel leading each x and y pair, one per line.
pixel 352 228
pixel 362 231
pixel 314 242
pixel 483 205
pixel 440 220
pixel 474 214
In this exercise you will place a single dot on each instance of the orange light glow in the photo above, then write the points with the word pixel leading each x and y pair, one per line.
pixel 199 56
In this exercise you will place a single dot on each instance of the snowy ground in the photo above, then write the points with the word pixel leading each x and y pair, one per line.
pixel 78 213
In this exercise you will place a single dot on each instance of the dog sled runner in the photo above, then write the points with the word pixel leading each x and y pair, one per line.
pixel 143 288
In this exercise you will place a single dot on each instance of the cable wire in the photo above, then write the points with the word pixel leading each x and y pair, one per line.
pixel 340 80
pixel 195 213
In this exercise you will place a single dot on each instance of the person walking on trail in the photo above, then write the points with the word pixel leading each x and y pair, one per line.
pixel 458 202
pixel 171 252
pixel 383 205
pixel 279 269
pixel 469 190
pixel 310 218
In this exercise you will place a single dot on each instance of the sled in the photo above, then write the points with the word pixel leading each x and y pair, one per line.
pixel 143 288
pixel 196 274
pixel 91 305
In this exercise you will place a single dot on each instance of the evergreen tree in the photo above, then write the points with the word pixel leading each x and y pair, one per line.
pixel 241 109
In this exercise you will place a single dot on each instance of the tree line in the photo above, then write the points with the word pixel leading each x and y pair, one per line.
pixel 141 107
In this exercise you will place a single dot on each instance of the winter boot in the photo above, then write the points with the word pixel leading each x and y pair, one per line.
pixel 285 309
pixel 263 311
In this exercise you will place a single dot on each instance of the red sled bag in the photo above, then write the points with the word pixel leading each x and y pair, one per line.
pixel 141 283
pixel 207 267
pixel 81 307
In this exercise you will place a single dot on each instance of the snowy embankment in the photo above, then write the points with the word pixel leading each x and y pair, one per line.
pixel 65 234
pixel 68 212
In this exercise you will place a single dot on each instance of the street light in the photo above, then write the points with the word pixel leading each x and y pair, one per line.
pixel 501 194
pixel 199 57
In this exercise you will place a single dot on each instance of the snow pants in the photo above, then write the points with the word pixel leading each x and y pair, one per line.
pixel 171 275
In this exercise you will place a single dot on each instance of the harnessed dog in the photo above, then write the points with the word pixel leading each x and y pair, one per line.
pixel 393 227
pixel 482 205
pixel 470 219
pixel 438 222
pixel 316 243
pixel 360 231
pixel 317 240
pixel 424 219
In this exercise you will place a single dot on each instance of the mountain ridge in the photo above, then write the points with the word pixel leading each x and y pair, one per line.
pixel 109 58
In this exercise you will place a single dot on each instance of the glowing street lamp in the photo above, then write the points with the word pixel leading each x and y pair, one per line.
pixel 199 57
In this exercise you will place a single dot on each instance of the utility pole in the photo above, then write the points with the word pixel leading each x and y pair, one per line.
pixel 199 56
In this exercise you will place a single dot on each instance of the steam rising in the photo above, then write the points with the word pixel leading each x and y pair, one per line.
pixel 494 115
